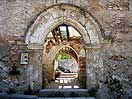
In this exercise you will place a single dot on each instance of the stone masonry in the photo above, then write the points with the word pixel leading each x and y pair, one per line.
pixel 23 28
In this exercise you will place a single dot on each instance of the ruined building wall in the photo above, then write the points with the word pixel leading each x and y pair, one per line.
pixel 114 16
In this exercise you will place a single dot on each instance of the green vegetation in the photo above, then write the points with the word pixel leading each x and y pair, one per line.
pixel 14 72
pixel 62 56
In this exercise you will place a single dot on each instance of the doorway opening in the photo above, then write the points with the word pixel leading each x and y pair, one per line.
pixel 66 62
pixel 62 67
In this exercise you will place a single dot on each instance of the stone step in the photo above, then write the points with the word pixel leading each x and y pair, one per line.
pixel 64 83
pixel 68 75
pixel 63 93
pixel 20 96
pixel 16 96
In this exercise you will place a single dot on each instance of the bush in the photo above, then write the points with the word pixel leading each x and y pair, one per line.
pixel 14 72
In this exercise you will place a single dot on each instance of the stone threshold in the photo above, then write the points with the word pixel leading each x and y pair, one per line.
pixel 63 92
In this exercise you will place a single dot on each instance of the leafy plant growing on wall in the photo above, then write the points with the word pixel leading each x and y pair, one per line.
pixel 14 72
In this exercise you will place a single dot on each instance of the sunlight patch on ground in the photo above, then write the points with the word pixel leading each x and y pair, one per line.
pixel 75 86
pixel 66 87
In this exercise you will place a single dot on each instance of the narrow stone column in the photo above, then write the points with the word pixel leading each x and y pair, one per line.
pixel 82 71
pixel 35 61
pixel 94 64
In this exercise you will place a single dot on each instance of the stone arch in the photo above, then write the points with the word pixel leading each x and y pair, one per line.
pixel 64 13
pixel 54 54
pixel 57 51
pixel 51 55
pixel 83 22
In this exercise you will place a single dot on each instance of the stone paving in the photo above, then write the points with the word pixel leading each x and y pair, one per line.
pixel 66 81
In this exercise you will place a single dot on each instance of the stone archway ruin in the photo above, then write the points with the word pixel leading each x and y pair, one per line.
pixel 64 13
pixel 83 22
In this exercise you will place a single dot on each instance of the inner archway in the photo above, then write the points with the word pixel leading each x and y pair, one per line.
pixel 65 70
pixel 67 61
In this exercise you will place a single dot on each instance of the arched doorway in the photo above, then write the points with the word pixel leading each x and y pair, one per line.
pixel 65 70
pixel 66 63
pixel 63 45
pixel 84 23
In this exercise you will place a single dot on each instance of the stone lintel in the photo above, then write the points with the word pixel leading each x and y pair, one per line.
pixel 92 46
pixel 35 46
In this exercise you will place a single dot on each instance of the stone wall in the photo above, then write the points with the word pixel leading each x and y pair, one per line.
pixel 114 16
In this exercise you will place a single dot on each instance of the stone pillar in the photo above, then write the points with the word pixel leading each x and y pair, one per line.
pixel 35 62
pixel 94 65
pixel 82 71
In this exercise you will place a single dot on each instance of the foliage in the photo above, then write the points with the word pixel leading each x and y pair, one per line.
pixel 14 71
pixel 63 56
